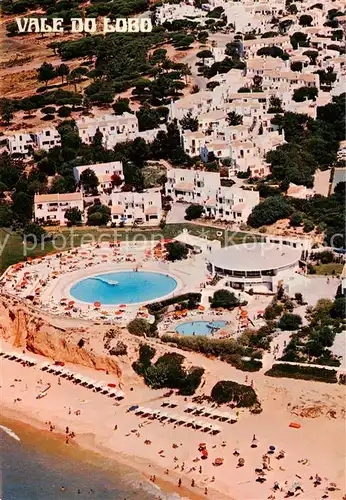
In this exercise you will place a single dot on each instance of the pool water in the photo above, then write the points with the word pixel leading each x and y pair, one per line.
pixel 200 327
pixel 124 287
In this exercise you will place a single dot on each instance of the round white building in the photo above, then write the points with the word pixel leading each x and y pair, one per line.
pixel 252 264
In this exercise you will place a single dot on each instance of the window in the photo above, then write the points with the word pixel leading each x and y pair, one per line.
pixel 47 133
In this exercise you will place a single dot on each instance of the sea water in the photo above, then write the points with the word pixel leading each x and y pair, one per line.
pixel 41 467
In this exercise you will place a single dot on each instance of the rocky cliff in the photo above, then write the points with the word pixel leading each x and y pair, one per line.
pixel 26 329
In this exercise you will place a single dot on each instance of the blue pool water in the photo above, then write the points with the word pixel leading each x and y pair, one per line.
pixel 125 287
pixel 200 327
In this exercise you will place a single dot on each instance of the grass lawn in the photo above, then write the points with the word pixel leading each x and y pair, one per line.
pixel 12 249
pixel 331 268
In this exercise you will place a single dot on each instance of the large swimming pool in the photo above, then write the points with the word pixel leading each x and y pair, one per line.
pixel 124 287
pixel 200 327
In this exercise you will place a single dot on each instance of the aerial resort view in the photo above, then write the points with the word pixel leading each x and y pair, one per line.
pixel 172 250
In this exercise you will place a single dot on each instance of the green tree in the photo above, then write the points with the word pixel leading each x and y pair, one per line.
pixel 194 212
pixel 305 93
pixel 45 73
pixel 297 66
pixel 62 70
pixel 121 106
pixel 140 327
pixel 6 215
pixel 226 391
pixel 6 110
pixel 269 211
pixel 234 119
pixel 299 39
pixel 74 215
pixel 34 232
pixel 89 180
pixel 312 55
pixel 275 105
pixel 176 251
pixel 98 215
pixel 224 298
pixel 272 51
pixel 22 206
pixel 189 123
pixel 204 54
pixel 305 20
pixel 290 322
pixel 296 219
pixel 148 118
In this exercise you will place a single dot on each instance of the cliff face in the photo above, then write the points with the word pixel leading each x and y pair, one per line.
pixel 26 330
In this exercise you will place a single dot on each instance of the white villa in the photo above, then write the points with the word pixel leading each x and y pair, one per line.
pixel 47 138
pixel 231 204
pixel 191 186
pixel 131 207
pixel 120 127
pixel 20 143
pixel 52 207
pixel 103 172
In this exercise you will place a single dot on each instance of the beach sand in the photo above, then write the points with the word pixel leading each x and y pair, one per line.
pixel 320 440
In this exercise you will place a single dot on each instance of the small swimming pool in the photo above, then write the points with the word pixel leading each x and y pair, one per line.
pixel 123 287
pixel 200 327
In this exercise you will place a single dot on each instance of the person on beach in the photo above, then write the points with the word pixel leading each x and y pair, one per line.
pixel 193 483
pixel 179 482
pixel 206 491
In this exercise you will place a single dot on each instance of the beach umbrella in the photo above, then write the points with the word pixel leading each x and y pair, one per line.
pixel 64 299
pixel 97 304
pixel 243 313
pixel 201 308
pixel 71 302
pixel 204 453
pixel 218 461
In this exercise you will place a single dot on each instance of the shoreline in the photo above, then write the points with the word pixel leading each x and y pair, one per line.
pixel 152 447
pixel 85 442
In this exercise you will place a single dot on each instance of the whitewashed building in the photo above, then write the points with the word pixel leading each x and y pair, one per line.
pixel 231 204
pixel 191 186
pixel 119 128
pixel 20 143
pixel 52 207
pixel 47 138
pixel 129 208
pixel 104 173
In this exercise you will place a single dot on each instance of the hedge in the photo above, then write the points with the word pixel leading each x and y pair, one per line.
pixel 303 372
pixel 226 391
pixel 177 299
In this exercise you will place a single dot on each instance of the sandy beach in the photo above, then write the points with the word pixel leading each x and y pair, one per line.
pixel 170 452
